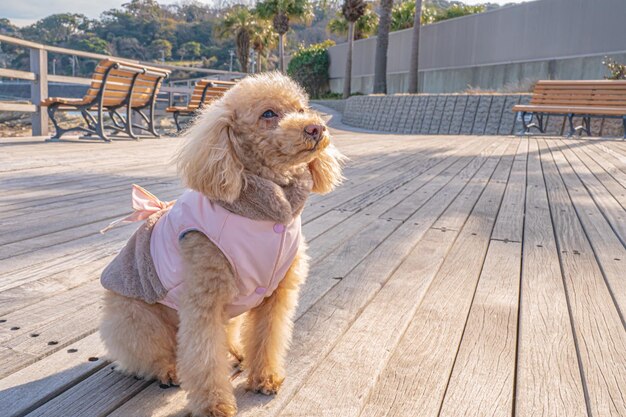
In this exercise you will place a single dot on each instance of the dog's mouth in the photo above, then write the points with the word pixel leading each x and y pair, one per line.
pixel 319 145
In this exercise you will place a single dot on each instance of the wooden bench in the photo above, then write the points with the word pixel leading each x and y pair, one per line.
pixel 585 99
pixel 114 85
pixel 204 92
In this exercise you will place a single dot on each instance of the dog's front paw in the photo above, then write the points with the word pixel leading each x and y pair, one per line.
pixel 220 410
pixel 168 376
pixel 265 384
pixel 214 406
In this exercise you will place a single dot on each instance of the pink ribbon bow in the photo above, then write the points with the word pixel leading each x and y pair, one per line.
pixel 144 203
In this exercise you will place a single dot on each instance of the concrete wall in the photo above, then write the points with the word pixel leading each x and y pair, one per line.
pixel 545 39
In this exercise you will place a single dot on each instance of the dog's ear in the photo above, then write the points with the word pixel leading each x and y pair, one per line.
pixel 326 170
pixel 207 161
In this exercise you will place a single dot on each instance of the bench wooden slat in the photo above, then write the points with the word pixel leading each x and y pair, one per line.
pixel 584 110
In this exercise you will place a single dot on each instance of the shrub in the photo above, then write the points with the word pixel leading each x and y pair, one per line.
pixel 616 70
pixel 309 67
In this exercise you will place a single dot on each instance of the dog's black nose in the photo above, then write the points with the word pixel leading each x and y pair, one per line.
pixel 314 131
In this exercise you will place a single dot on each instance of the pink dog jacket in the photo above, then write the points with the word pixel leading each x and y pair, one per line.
pixel 260 252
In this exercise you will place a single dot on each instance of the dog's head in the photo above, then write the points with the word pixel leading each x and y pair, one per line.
pixel 263 125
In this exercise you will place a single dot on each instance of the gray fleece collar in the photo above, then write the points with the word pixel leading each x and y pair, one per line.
pixel 262 199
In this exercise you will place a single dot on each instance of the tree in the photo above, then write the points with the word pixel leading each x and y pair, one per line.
pixel 242 22
pixel 130 48
pixel 281 12
pixel 7 28
pixel 90 43
pixel 415 46
pixel 57 29
pixel 352 10
pixel 189 49
pixel 365 26
pixel 161 49
pixel 403 14
pixel 382 45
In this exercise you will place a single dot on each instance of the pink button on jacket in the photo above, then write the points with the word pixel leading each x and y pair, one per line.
pixel 260 252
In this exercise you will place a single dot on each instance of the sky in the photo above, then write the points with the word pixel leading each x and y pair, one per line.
pixel 25 12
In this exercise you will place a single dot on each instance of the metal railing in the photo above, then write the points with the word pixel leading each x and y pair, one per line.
pixel 39 78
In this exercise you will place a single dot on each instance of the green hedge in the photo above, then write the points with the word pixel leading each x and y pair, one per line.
pixel 309 67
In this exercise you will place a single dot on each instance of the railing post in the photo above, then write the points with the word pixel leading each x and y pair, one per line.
pixel 39 90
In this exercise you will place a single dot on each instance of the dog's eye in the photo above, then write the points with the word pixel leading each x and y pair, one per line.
pixel 269 114
pixel 301 111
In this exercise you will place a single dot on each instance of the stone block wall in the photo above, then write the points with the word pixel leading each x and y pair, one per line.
pixel 453 114
pixel 434 114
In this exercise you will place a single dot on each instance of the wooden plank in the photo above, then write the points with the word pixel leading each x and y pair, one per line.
pixel 598 327
pixel 26 320
pixel 582 183
pixel 415 378
pixel 30 387
pixel 19 107
pixel 69 80
pixel 451 160
pixel 616 189
pixel 21 75
pixel 606 239
pixel 509 225
pixel 548 377
pixel 612 151
pixel 614 167
pixel 482 380
pixel 407 207
pixel 484 371
pixel 93 396
pixel 361 353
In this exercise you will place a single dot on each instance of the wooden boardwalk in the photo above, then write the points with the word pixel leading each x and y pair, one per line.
pixel 451 276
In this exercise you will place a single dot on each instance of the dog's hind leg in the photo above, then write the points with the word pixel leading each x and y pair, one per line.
pixel 141 337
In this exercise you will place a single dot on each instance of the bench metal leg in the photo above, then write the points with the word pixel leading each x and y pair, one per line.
pixel 572 130
pixel 526 129
pixel 587 125
pixel 58 131
pixel 624 124
pixel 539 125
pixel 177 122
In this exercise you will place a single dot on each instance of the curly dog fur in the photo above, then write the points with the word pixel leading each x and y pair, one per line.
pixel 263 126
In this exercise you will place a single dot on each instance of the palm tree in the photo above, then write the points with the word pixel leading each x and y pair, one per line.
pixel 282 12
pixel 352 10
pixel 415 47
pixel 382 44
pixel 263 39
pixel 364 27
pixel 242 22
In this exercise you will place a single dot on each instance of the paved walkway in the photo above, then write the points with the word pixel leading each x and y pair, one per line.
pixel 450 276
